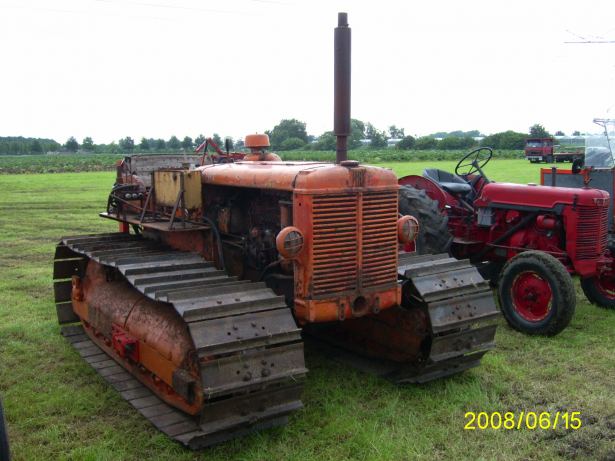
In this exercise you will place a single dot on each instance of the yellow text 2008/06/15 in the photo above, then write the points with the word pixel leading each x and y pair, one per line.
pixel 530 420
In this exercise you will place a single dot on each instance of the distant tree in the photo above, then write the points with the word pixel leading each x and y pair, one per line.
pixel 292 144
pixel 456 142
pixel 127 144
pixel 559 133
pixel 425 143
pixel 87 144
pixel 396 133
pixel 218 140
pixel 358 133
pixel 510 140
pixel 538 131
pixel 36 147
pixel 161 144
pixel 71 144
pixel 406 143
pixel 456 133
pixel 378 140
pixel 200 139
pixel 113 148
pixel 144 144
pixel 187 142
pixel 576 133
pixel 173 143
pixel 325 141
pixel 370 130
pixel 287 128
pixel 239 144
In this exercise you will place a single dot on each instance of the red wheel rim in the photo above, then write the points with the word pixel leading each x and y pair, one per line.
pixel 606 285
pixel 531 296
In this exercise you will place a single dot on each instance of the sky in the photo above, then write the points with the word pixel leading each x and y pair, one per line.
pixel 156 68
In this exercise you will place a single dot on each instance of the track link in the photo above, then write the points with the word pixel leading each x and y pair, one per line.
pixel 250 349
pixel 460 309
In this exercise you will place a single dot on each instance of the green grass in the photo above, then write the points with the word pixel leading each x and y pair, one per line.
pixel 58 408
pixel 501 170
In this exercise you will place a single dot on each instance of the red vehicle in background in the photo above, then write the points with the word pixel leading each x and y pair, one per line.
pixel 526 239
pixel 539 150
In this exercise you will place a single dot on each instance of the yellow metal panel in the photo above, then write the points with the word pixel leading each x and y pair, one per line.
pixel 168 184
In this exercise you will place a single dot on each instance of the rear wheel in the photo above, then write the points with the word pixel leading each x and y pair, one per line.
pixel 4 437
pixel 536 294
pixel 434 236
pixel 600 290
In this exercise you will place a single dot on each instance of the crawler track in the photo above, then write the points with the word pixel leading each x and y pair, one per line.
pixel 461 311
pixel 250 349
pixel 458 305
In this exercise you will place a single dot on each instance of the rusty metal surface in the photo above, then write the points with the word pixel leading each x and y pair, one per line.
pixel 248 346
pixel 458 309
pixel 341 80
pixel 224 420
pixel 306 177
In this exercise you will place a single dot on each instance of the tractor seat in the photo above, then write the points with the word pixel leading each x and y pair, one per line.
pixel 451 183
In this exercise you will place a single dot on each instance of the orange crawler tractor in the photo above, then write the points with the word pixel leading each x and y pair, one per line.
pixel 196 316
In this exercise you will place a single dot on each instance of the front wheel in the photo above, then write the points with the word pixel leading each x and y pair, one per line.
pixel 536 294
pixel 600 290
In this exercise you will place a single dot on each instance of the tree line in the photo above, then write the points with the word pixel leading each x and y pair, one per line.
pixel 290 134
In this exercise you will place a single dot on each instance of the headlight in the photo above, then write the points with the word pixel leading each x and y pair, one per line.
pixel 289 242
pixel 407 229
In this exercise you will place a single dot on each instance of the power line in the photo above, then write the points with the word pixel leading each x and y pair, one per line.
pixel 593 41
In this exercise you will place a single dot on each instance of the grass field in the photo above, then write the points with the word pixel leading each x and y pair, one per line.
pixel 58 408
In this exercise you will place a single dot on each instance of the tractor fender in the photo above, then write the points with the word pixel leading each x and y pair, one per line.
pixel 431 188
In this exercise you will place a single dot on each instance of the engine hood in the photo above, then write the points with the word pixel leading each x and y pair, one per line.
pixel 310 177
pixel 532 196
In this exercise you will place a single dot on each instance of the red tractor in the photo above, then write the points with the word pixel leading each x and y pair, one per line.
pixel 527 240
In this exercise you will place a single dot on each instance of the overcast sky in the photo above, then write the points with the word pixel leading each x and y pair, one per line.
pixel 156 68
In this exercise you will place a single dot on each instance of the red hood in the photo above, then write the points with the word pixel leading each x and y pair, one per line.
pixel 538 196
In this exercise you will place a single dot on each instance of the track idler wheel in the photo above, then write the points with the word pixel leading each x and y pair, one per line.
pixel 536 294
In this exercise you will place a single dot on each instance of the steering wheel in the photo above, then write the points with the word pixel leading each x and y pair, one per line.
pixel 473 161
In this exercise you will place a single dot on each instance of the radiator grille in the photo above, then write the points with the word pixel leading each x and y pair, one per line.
pixel 379 239
pixel 343 262
pixel 592 229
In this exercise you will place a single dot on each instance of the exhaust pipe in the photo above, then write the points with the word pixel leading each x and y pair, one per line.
pixel 341 110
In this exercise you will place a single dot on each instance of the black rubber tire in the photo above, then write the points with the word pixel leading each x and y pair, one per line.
pixel 550 269
pixel 594 295
pixel 434 236
pixel 5 454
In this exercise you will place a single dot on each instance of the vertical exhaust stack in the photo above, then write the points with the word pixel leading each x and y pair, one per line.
pixel 341 124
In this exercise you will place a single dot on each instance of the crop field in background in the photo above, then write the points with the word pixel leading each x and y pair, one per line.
pixel 59 408
pixel 65 163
